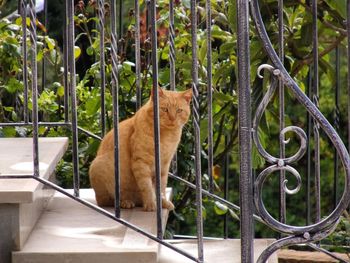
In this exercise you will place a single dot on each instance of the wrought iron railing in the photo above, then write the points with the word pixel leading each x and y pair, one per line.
pixel 249 190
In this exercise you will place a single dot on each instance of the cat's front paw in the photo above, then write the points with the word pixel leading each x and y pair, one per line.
pixel 150 206
pixel 167 204
pixel 127 204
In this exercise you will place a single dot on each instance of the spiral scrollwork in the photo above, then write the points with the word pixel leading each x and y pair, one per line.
pixel 297 234
pixel 278 164
pixel 259 112
pixel 303 238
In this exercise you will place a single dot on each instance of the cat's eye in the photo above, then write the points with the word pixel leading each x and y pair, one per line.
pixel 164 109
pixel 179 110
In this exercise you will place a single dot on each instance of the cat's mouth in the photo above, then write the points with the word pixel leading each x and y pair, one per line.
pixel 170 124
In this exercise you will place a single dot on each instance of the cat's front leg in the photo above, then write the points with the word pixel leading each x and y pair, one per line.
pixel 143 178
pixel 164 181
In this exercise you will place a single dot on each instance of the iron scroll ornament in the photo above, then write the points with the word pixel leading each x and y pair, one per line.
pixel 319 230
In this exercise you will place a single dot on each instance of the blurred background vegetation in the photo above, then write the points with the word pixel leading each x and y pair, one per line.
pixel 298 61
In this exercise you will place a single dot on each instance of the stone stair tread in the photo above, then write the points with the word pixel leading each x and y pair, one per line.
pixel 220 250
pixel 16 155
pixel 80 233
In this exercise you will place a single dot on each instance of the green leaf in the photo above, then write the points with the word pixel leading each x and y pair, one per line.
pixel 218 33
pixel 77 52
pixel 40 55
pixel 14 116
pixel 129 63
pixel 18 21
pixel 204 130
pixel 224 98
pixel 187 3
pixel 9 131
pixel 90 51
pixel 93 105
pixel 202 51
pixel 232 15
pixel 9 109
pixel 59 88
pixel 50 42
pixel 42 130
pixel 339 6
pixel 164 76
pixel 220 209
pixel 92 147
pixel 13 85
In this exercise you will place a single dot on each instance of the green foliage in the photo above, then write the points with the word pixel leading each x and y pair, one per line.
pixel 339 241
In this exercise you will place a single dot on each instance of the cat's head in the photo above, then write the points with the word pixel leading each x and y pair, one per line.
pixel 174 107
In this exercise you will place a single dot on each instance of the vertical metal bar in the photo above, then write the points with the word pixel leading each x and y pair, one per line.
pixel 336 125
pixel 210 96
pixel 121 18
pixel 115 89
pixel 25 59
pixel 244 112
pixel 66 66
pixel 308 169
pixel 101 22
pixel 32 15
pixel 196 123
pixel 71 62
pixel 172 59
pixel 315 99
pixel 156 116
pixel 348 78
pixel 282 203
pixel 148 18
pixel 226 187
pixel 43 66
pixel 138 55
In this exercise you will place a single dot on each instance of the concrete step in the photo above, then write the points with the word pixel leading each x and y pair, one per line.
pixel 71 232
pixel 16 155
pixel 23 200
pixel 215 251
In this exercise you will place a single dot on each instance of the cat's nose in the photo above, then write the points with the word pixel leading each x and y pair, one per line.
pixel 171 116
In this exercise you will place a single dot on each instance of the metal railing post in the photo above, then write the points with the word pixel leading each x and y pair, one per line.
pixel 138 56
pixel 115 89
pixel 72 87
pixel 315 100
pixel 336 125
pixel 33 39
pixel 172 60
pixel 23 5
pixel 154 39
pixel 101 27
pixel 244 112
pixel 282 203
pixel 196 120
pixel 210 96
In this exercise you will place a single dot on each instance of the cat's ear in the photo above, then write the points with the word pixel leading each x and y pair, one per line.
pixel 187 95
pixel 161 93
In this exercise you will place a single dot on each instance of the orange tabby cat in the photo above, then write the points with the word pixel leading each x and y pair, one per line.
pixel 137 167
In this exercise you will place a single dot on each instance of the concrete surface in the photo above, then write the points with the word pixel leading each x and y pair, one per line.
pixel 70 232
pixel 23 200
pixel 16 157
